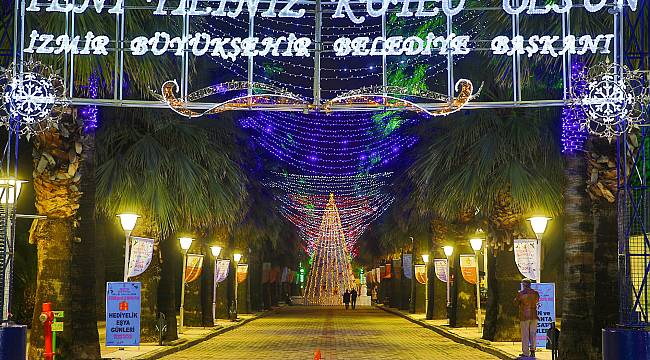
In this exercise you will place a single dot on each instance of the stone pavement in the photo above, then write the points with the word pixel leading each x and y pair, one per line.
pixel 365 333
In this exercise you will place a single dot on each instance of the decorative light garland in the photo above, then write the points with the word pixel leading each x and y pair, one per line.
pixel 574 135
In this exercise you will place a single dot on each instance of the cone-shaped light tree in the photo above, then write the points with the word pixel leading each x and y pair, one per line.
pixel 331 271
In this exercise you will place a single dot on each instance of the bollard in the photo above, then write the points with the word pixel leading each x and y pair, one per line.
pixel 47 317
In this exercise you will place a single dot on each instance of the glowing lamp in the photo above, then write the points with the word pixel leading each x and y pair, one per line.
pixel 425 258
pixel 216 250
pixel 449 250
pixel 476 243
pixel 236 257
pixel 538 223
pixel 186 242
pixel 128 221
pixel 10 190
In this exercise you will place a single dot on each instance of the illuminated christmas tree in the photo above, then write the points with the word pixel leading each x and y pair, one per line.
pixel 331 272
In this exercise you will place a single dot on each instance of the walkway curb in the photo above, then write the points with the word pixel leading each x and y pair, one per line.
pixel 480 345
pixel 187 344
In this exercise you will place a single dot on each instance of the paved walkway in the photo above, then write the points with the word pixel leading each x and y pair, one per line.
pixel 362 334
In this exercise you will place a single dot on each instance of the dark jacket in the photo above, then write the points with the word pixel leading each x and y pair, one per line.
pixel 346 297
pixel 353 295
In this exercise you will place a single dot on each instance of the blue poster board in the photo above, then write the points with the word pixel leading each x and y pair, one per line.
pixel 123 314
pixel 545 310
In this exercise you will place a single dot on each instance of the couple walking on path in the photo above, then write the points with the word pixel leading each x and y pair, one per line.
pixel 350 297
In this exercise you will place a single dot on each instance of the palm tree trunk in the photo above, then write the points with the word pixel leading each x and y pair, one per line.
pixel 167 289
pixel 83 318
pixel 56 157
pixel 504 288
pixel 577 309
pixel 492 307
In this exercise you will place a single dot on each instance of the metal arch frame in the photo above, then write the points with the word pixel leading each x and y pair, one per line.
pixel 633 189
pixel 119 37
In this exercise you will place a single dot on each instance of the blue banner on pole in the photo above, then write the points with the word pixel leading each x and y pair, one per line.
pixel 123 314
pixel 545 310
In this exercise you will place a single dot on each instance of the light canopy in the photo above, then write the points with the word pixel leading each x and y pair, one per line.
pixel 538 223
pixel 216 250
pixel 449 250
pixel 128 221
pixel 476 243
pixel 186 242
pixel 10 190
pixel 425 258
pixel 236 257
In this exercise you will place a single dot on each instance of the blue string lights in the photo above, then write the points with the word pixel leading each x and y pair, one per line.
pixel 573 136
pixel 338 144
pixel 90 114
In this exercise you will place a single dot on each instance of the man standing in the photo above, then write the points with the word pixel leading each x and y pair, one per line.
pixel 527 300
pixel 346 299
pixel 353 298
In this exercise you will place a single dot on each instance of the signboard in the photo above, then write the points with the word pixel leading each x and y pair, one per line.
pixel 421 273
pixel 222 271
pixel 407 262
pixel 468 268
pixel 242 272
pixel 193 268
pixel 141 254
pixel 525 257
pixel 440 267
pixel 123 314
pixel 545 310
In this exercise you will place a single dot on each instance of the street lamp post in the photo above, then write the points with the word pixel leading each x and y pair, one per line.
pixel 236 257
pixel 216 250
pixel 476 245
pixel 186 242
pixel 538 223
pixel 425 258
pixel 128 224
pixel 9 192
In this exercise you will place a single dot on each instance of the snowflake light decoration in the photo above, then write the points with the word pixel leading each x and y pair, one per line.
pixel 31 97
pixel 613 100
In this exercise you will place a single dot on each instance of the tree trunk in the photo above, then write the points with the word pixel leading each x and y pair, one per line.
pixel 577 310
pixel 83 317
pixel 146 227
pixel 167 294
pixel 207 280
pixel 56 156
pixel 503 289
pixel 492 307
pixel 463 297
pixel 606 271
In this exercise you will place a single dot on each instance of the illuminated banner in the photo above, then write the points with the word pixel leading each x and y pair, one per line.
pixel 421 273
pixel 525 257
pixel 242 272
pixel 193 268
pixel 288 45
pixel 222 271
pixel 468 268
pixel 141 254
pixel 407 262
pixel 440 267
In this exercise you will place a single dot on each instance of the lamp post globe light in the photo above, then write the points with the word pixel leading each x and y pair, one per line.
pixel 425 259
pixel 216 250
pixel 237 258
pixel 128 222
pixel 186 243
pixel 476 244
pixel 538 223
pixel 9 192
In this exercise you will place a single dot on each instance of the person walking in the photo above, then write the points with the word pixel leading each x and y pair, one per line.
pixel 527 300
pixel 353 298
pixel 346 299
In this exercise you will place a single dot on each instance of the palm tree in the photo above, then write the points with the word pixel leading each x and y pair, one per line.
pixel 176 175
pixel 504 165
